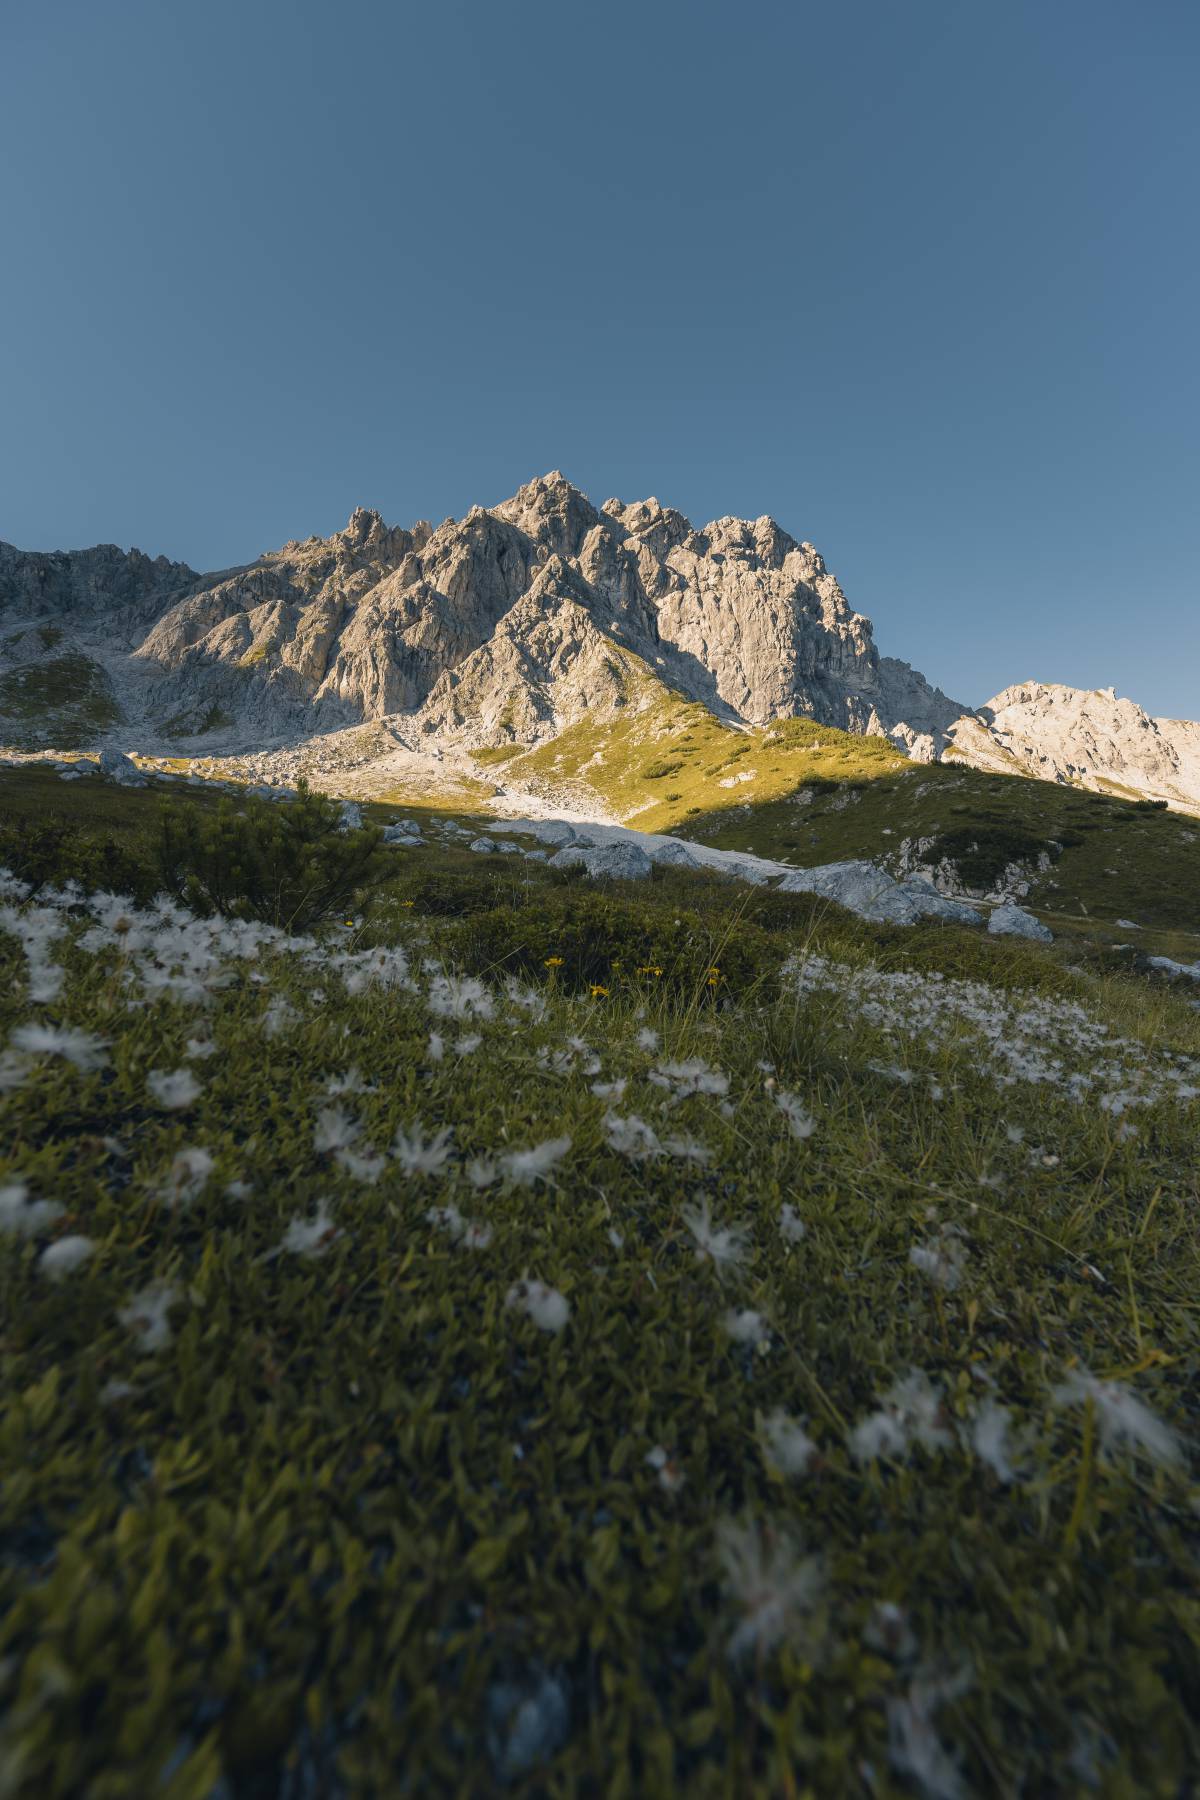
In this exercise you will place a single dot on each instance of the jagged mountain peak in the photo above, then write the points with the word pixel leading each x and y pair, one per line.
pixel 499 626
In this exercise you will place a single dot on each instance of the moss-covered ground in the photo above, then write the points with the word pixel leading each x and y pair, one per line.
pixel 308 1488
pixel 63 702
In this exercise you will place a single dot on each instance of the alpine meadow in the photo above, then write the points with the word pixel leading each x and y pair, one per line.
pixel 599 1097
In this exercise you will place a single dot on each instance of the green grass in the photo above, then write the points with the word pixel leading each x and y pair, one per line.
pixel 355 1494
pixel 812 794
pixel 63 702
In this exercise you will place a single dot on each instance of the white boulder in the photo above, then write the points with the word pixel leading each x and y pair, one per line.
pixel 1013 921
pixel 621 859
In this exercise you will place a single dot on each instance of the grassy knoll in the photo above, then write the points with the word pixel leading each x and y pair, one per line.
pixel 650 1339
pixel 62 702
pixel 810 794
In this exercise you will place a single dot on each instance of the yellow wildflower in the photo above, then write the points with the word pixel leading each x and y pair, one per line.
pixel 599 992
pixel 554 962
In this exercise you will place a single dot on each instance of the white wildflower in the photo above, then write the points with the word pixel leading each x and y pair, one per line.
pixel 745 1326
pixel 459 997
pixel 911 1414
pixel 631 1136
pixel 481 1172
pixel 691 1077
pixel 786 1446
pixel 472 1234
pixel 349 1083
pixel 65 1256
pixel 992 1442
pixel 723 1245
pixel 420 1156
pixel 685 1148
pixel 913 1744
pixel 647 1040
pixel 310 1237
pixel 189 1171
pixel 801 1123
pixel 435 1050
pixel 791 1225
pixel 943 1259
pixel 548 1309
pixel 361 1165
pixel 278 1018
pixel 83 1051
pixel 1125 1422
pixel 528 1166
pixel 610 1090
pixel 670 1476
pixel 777 1591
pixel 889 1632
pixel 335 1130
pixel 467 1043
pixel 22 1217
pixel 147 1314
pixel 174 1091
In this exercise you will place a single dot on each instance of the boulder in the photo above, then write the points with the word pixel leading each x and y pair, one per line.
pixel 858 886
pixel 1013 921
pixel 351 816
pixel 673 856
pixel 482 846
pixel 118 767
pixel 1166 965
pixel 931 903
pixel 621 860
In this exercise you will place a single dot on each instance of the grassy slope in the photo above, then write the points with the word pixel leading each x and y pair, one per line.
pixel 355 1494
pixel 812 794
pixel 63 702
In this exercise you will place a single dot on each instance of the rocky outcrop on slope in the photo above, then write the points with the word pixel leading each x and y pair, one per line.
pixel 499 627
pixel 1087 737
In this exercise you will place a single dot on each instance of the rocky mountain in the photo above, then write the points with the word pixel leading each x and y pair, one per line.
pixel 1087 737
pixel 503 626
pixel 506 627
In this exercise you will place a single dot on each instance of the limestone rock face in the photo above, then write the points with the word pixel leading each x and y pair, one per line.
pixel 516 621
pixel 1085 736
pixel 500 627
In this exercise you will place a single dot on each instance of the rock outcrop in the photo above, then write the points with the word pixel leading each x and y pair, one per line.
pixel 505 627
pixel 501 627
pixel 1087 737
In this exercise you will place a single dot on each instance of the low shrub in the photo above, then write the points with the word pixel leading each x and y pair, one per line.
pixel 288 865
pixel 53 850
pixel 981 853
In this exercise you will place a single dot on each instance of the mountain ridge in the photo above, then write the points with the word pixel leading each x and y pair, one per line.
pixel 507 626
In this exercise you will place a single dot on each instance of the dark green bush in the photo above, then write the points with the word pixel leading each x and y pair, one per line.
pixel 981 853
pixel 53 850
pixel 287 864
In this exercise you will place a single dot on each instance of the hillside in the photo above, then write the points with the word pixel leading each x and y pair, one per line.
pixel 550 1337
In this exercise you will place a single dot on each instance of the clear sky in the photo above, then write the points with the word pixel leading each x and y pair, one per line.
pixel 920 278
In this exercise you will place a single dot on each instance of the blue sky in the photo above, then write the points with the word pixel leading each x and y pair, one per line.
pixel 922 281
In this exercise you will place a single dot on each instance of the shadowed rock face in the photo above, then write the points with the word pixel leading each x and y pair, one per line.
pixel 502 626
